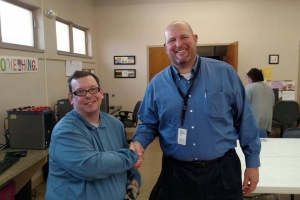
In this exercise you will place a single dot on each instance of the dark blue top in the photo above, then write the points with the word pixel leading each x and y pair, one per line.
pixel 218 114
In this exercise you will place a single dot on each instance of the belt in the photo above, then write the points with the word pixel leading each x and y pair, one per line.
pixel 205 163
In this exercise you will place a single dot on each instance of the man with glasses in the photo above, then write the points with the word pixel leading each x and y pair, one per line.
pixel 89 156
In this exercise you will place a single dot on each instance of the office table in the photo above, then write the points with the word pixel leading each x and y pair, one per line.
pixel 23 170
pixel 113 109
pixel 280 166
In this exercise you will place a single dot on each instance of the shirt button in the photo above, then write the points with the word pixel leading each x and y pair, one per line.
pixel 191 110
pixel 192 127
pixel 194 144
pixel 196 158
pixel 190 95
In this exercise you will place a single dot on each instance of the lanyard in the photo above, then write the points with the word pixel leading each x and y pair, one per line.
pixel 186 96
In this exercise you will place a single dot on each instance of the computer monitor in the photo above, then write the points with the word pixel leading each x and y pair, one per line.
pixel 63 107
pixel 105 103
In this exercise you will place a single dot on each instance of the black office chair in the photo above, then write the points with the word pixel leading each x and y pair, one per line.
pixel 129 118
pixel 285 115
pixel 276 95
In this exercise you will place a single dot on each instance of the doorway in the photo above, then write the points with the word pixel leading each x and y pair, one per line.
pixel 159 60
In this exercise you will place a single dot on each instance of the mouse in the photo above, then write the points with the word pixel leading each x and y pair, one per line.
pixel 20 154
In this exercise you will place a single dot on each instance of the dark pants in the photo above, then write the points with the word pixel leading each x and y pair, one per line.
pixel 219 181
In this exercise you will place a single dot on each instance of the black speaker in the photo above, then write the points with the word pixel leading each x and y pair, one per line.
pixel 63 107
pixel 105 103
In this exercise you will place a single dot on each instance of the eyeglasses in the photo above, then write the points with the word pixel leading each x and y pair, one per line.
pixel 83 92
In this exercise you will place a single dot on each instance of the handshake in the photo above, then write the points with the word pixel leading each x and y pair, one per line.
pixel 136 146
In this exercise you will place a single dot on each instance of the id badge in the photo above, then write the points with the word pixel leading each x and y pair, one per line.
pixel 181 138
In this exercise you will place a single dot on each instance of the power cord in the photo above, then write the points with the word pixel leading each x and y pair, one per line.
pixel 6 135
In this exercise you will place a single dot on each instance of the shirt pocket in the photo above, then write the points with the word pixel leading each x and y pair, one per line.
pixel 215 105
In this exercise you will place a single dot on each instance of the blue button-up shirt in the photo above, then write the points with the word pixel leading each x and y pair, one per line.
pixel 218 114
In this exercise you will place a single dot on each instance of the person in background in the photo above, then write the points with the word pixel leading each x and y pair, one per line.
pixel 199 109
pixel 89 156
pixel 261 97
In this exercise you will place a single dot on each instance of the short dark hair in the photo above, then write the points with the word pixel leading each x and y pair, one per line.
pixel 81 74
pixel 255 74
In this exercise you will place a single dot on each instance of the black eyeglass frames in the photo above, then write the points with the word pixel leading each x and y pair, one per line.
pixel 83 92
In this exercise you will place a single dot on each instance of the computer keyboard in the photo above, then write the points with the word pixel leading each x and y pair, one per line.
pixel 7 163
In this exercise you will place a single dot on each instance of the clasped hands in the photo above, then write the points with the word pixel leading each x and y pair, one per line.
pixel 136 146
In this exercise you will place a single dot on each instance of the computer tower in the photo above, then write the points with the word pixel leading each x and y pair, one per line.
pixel 105 103
pixel 30 130
pixel 63 107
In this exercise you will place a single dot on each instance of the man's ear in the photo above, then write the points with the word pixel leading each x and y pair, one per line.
pixel 70 98
pixel 101 92
pixel 196 38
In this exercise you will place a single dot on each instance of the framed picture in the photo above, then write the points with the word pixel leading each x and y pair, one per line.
pixel 125 73
pixel 90 70
pixel 124 60
pixel 273 59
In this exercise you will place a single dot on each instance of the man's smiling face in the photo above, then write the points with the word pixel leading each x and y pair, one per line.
pixel 180 44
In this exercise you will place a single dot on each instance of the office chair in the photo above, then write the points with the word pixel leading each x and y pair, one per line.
pixel 129 118
pixel 291 133
pixel 285 115
pixel 276 95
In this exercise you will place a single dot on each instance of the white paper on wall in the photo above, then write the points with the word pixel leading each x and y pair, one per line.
pixel 72 66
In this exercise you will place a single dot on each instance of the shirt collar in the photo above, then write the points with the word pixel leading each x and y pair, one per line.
pixel 179 76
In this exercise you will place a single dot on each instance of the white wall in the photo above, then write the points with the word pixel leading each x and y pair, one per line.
pixel 261 28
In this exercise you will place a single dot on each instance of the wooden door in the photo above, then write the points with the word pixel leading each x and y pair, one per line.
pixel 232 55
pixel 158 60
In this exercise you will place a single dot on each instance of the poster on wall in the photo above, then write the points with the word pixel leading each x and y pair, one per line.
pixel 72 66
pixel 288 90
pixel 14 64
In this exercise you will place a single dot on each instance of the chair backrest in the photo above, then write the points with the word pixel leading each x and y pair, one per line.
pixel 291 133
pixel 135 112
pixel 263 133
pixel 286 112
pixel 276 95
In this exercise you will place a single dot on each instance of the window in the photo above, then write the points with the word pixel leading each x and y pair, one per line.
pixel 18 30
pixel 71 39
pixel 79 41
pixel 62 37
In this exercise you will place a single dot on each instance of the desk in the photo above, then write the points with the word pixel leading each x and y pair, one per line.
pixel 113 109
pixel 23 170
pixel 280 166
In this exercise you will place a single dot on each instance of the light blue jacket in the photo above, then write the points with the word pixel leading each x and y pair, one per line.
pixel 88 162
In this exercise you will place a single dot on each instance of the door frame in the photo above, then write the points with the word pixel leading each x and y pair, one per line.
pixel 198 45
